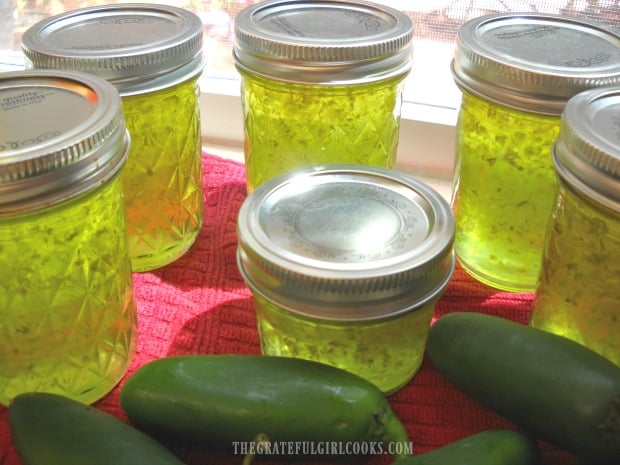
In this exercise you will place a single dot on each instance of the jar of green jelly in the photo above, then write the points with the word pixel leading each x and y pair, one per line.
pixel 578 294
pixel 67 313
pixel 153 56
pixel 321 82
pixel 516 72
pixel 345 264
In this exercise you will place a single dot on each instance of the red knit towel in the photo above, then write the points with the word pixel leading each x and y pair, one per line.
pixel 200 304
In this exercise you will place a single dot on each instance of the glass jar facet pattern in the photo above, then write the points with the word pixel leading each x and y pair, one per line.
pixel 295 126
pixel 67 312
pixel 68 321
pixel 308 98
pixel 164 194
pixel 516 72
pixel 153 55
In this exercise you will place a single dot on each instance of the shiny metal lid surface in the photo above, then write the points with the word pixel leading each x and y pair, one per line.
pixel 535 62
pixel 346 242
pixel 323 42
pixel 136 46
pixel 61 134
pixel 587 151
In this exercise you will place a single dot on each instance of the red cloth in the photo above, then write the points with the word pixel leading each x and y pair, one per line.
pixel 200 304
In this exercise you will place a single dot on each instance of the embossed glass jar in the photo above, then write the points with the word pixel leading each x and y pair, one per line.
pixel 321 82
pixel 345 264
pixel 67 313
pixel 153 56
pixel 578 294
pixel 516 72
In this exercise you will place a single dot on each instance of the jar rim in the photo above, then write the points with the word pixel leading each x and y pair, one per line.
pixel 51 159
pixel 135 46
pixel 286 40
pixel 346 242
pixel 586 153
pixel 342 312
pixel 534 61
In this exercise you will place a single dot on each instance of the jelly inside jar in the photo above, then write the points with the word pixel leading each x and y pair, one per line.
pixel 67 312
pixel 163 175
pixel 578 296
pixel 387 353
pixel 506 189
pixel 290 126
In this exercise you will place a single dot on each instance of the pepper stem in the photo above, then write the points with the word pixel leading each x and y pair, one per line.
pixel 259 441
pixel 394 433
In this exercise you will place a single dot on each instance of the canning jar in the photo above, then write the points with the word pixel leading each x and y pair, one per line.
pixel 516 72
pixel 578 294
pixel 345 264
pixel 321 82
pixel 67 313
pixel 153 56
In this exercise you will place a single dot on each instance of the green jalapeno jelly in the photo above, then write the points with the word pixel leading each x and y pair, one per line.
pixel 153 56
pixel 321 82
pixel 67 313
pixel 578 294
pixel 345 264
pixel 516 73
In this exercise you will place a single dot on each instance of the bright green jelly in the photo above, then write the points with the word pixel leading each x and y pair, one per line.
pixel 387 352
pixel 68 321
pixel 289 126
pixel 578 295
pixel 164 194
pixel 505 192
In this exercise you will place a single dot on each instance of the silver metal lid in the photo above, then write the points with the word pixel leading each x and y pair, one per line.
pixel 535 62
pixel 61 134
pixel 323 42
pixel 346 242
pixel 587 151
pixel 137 47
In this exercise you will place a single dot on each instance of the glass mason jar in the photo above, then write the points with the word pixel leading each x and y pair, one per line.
pixel 67 313
pixel 516 73
pixel 578 294
pixel 153 56
pixel 321 82
pixel 345 264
